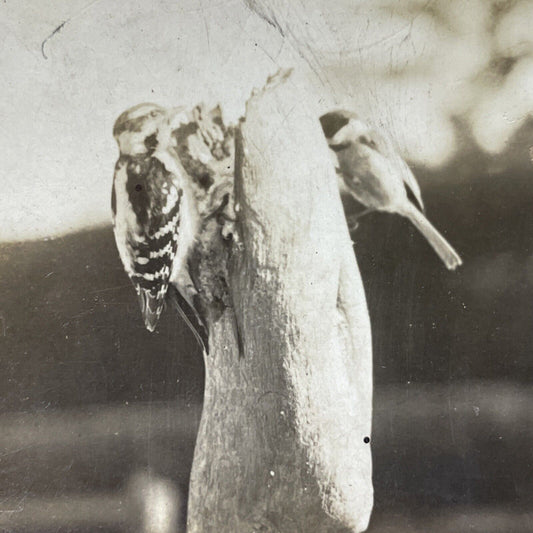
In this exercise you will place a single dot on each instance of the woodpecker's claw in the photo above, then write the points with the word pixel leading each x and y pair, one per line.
pixel 227 219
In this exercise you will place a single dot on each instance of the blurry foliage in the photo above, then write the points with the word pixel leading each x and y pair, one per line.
pixel 412 66
pixel 492 44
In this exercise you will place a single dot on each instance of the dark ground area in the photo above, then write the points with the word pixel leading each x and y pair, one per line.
pixel 452 360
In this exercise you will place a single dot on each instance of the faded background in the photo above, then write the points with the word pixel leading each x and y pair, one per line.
pixel 98 417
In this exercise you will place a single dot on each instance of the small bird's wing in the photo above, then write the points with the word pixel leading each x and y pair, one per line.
pixel 411 183
pixel 146 205
pixel 385 146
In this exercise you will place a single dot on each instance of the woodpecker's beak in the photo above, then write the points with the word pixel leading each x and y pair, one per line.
pixel 177 116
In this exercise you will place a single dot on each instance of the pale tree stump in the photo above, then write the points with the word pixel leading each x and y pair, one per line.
pixel 282 445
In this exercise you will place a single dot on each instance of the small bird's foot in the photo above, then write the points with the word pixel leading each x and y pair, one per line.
pixel 353 223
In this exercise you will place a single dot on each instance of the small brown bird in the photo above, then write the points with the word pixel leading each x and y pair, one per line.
pixel 377 177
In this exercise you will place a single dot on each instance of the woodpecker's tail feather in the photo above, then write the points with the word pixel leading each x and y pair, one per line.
pixel 151 307
pixel 443 248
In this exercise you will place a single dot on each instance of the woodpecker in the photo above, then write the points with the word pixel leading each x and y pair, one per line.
pixel 377 177
pixel 155 216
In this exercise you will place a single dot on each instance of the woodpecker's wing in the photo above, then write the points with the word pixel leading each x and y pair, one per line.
pixel 146 214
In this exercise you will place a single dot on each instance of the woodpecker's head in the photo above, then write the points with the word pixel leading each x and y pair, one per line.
pixel 144 127
pixel 344 129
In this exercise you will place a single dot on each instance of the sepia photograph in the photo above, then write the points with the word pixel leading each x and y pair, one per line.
pixel 266 266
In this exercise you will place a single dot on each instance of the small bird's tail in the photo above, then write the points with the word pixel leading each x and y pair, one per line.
pixel 443 248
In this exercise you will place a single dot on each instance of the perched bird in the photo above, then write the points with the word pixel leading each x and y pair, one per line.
pixel 155 215
pixel 377 177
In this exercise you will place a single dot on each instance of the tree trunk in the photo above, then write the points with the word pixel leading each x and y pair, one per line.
pixel 283 440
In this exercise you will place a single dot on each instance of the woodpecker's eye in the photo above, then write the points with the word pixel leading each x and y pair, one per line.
pixel 151 142
pixel 138 187
pixel 364 139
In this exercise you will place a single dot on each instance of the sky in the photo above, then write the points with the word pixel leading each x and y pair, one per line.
pixel 407 65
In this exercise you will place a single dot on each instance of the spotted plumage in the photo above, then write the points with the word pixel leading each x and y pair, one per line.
pixel 154 211
pixel 148 234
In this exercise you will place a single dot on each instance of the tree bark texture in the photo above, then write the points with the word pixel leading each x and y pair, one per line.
pixel 282 445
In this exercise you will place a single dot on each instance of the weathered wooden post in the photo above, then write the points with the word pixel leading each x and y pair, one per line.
pixel 283 440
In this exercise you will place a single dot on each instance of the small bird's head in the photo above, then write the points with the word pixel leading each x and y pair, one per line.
pixel 142 128
pixel 344 129
pixel 359 151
